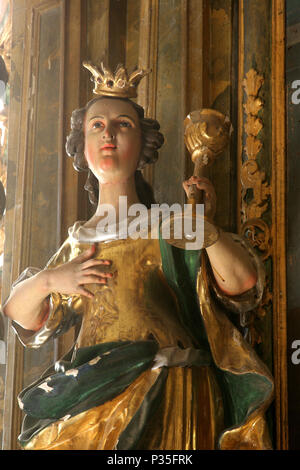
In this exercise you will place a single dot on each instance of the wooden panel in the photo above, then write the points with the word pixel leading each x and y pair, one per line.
pixel 132 34
pixel 148 49
pixel 74 200
pixel 43 157
pixel 196 54
pixel 170 101
pixel 44 134
pixel 279 163
pixel 117 32
pixel 97 31
pixel 220 79
pixel 35 168
pixel 106 33
pixel 293 217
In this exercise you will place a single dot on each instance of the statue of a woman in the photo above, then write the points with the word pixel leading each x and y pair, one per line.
pixel 156 363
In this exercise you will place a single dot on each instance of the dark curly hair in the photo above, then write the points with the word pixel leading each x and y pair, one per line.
pixel 152 140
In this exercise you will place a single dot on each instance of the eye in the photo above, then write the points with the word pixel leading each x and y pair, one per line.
pixel 125 124
pixel 97 125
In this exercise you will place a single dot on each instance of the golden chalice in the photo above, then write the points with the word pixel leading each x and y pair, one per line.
pixel 206 135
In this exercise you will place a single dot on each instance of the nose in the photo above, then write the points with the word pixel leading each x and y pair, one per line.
pixel 108 133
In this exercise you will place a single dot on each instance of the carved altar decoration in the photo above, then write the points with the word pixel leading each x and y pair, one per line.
pixel 256 191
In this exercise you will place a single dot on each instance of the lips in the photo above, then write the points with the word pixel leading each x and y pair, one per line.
pixel 108 146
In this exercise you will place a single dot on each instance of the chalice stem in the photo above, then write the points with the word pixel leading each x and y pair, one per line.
pixel 196 195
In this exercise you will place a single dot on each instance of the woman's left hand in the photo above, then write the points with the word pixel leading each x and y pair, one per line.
pixel 210 198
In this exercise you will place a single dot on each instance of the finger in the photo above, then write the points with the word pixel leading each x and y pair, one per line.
pixel 96 262
pixel 201 177
pixel 185 186
pixel 94 279
pixel 96 272
pixel 85 292
pixel 197 179
pixel 205 187
pixel 208 189
pixel 87 254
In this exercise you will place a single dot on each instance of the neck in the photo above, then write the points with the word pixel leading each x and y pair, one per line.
pixel 110 193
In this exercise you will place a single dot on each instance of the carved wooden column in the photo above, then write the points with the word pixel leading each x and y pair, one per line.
pixel 279 229
pixel 261 189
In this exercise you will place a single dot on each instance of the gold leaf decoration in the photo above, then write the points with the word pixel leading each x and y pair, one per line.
pixel 253 147
pixel 253 125
pixel 104 312
pixel 253 105
pixel 255 193
pixel 252 83
pixel 258 234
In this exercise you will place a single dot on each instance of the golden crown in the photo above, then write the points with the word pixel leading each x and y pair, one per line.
pixel 119 84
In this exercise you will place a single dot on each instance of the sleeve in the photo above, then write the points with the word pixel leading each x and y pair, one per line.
pixel 59 312
pixel 250 299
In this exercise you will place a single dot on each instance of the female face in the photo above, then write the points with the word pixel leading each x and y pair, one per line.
pixel 112 140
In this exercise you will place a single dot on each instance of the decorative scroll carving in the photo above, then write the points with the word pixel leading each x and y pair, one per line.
pixel 259 235
pixel 256 192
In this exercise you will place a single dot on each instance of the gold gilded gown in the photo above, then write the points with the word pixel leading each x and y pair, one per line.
pixel 138 304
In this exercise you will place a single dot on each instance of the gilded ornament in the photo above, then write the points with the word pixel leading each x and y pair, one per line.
pixel 258 234
pixel 254 182
pixel 207 133
pixel 253 105
pixel 253 125
pixel 266 300
pixel 254 179
pixel 252 83
pixel 117 84
pixel 251 176
pixel 253 147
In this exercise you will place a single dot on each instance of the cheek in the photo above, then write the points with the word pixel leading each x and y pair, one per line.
pixel 132 148
pixel 89 153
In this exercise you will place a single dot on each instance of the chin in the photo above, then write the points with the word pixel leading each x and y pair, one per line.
pixel 107 165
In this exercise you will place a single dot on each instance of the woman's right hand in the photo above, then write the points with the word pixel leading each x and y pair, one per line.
pixel 69 278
